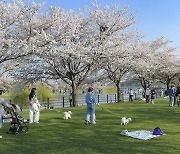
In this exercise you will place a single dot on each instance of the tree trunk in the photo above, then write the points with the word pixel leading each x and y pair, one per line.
pixel 168 84
pixel 119 93
pixel 144 85
pixel 74 94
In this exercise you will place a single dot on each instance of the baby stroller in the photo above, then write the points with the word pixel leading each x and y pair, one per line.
pixel 18 124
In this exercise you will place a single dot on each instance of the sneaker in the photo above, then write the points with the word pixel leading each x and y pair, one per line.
pixel 86 122
pixel 0 136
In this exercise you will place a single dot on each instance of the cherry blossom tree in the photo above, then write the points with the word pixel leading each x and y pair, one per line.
pixel 69 46
pixel 149 63
pixel 120 63
pixel 168 68
pixel 16 24
pixel 75 45
pixel 177 79
pixel 112 24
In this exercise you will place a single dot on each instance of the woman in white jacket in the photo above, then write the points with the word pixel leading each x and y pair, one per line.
pixel 34 107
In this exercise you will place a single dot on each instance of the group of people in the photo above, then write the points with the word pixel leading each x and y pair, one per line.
pixel 34 105
pixel 91 102
pixel 173 96
pixel 150 95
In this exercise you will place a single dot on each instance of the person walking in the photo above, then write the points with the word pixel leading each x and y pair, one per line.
pixel 152 96
pixel 90 101
pixel 2 103
pixel 177 96
pixel 148 94
pixel 34 107
pixel 70 99
pixel 130 95
pixel 171 93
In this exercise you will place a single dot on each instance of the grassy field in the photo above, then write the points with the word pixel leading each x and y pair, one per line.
pixel 53 135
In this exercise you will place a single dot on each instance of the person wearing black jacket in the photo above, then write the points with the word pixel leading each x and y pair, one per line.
pixel 177 96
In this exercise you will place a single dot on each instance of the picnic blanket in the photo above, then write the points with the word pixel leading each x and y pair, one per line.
pixel 140 134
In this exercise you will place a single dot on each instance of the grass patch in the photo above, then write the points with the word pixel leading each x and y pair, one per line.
pixel 53 135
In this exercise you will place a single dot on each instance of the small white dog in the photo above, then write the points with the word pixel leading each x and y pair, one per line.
pixel 67 115
pixel 125 121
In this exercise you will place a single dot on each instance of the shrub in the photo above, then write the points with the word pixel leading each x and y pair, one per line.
pixel 43 93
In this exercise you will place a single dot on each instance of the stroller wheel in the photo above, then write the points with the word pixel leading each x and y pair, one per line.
pixel 26 129
pixel 16 133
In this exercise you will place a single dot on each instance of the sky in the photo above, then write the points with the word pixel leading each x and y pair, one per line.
pixel 154 18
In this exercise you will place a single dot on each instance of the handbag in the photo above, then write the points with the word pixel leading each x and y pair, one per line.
pixel 31 103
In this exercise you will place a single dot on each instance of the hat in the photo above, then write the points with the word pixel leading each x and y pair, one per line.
pixel 157 131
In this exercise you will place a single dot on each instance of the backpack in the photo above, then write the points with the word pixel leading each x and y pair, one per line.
pixel 157 131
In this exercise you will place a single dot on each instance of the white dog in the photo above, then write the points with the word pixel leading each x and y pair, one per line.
pixel 125 121
pixel 67 115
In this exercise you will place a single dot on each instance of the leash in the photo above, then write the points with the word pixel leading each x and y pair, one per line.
pixel 109 111
pixel 101 108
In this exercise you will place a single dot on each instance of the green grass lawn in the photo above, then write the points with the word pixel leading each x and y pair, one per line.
pixel 53 135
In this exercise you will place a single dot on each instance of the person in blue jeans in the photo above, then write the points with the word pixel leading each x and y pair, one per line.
pixel 90 101
pixel 171 94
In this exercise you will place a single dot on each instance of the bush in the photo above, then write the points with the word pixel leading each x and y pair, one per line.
pixel 110 90
pixel 21 98
pixel 43 93
pixel 20 95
